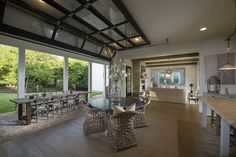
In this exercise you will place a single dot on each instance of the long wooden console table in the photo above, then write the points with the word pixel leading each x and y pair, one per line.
pixel 226 109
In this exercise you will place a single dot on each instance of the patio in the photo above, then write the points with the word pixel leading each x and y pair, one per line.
pixel 11 128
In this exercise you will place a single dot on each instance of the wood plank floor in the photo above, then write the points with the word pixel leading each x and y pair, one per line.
pixel 174 130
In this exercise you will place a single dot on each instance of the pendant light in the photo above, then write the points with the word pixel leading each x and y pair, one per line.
pixel 228 66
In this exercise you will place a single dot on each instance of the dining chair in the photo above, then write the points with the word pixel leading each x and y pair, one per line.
pixel 71 101
pixel 64 104
pixel 139 119
pixel 55 105
pixel 40 108
pixel 95 121
pixel 121 132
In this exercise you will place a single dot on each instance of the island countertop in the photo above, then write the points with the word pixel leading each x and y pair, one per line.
pixel 224 107
pixel 173 95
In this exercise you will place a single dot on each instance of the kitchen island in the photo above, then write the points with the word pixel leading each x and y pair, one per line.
pixel 173 95
pixel 226 109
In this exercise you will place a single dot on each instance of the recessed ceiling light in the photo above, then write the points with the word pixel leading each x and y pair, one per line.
pixel 203 29
pixel 114 44
pixel 41 1
pixel 137 39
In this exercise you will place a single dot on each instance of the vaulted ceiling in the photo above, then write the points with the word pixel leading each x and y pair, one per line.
pixel 101 28
pixel 97 28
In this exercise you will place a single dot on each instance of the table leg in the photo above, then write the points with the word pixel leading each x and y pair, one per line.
pixel 28 114
pixel 204 115
pixel 212 118
pixel 20 111
pixel 218 124
pixel 224 138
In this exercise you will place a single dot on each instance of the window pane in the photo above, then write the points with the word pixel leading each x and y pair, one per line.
pixel 91 19
pixel 109 10
pixel 27 22
pixel 68 4
pixel 44 72
pixel 78 75
pixel 42 6
pixel 177 77
pixel 98 79
pixel 8 77
pixel 128 30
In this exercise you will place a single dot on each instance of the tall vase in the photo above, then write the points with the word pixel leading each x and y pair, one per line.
pixel 116 92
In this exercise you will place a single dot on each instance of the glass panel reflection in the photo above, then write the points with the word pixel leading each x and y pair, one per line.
pixel 91 47
pixel 107 52
pixel 91 19
pixel 78 25
pixel 113 34
pixel 68 4
pixel 109 10
pixel 42 6
pixel 128 30
pixel 68 38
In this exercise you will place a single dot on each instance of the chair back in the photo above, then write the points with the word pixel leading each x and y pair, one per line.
pixel 124 119
pixel 92 112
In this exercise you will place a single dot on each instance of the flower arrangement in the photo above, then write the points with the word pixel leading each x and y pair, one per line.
pixel 117 74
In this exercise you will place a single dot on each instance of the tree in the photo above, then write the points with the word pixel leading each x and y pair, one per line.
pixel 43 71
pixel 8 64
pixel 78 75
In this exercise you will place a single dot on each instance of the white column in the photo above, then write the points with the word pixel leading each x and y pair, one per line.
pixel 21 73
pixel 204 115
pixel 105 78
pixel 224 138
pixel 90 79
pixel 65 74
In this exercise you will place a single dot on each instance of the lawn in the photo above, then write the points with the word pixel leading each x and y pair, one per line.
pixel 5 104
pixel 96 93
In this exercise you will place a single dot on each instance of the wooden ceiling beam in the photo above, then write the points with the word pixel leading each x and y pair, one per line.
pixel 195 54
pixel 177 64
pixel 173 61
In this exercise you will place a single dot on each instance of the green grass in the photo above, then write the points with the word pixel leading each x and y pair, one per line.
pixel 96 93
pixel 5 104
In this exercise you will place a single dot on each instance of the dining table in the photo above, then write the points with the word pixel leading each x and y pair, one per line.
pixel 107 104
pixel 20 102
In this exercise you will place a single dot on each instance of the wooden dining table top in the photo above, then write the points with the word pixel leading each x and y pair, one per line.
pixel 224 107
pixel 107 104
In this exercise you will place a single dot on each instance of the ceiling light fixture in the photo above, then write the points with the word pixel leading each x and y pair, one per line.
pixel 41 1
pixel 228 66
pixel 203 29
pixel 137 39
